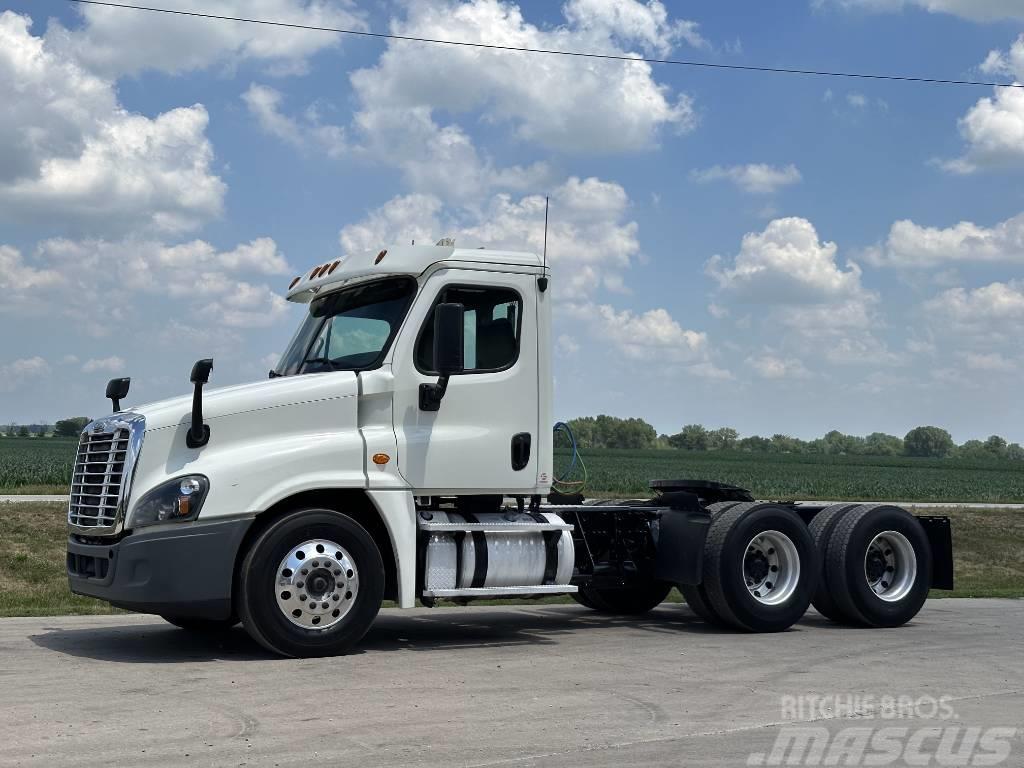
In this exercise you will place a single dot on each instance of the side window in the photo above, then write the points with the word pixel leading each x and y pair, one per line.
pixel 493 319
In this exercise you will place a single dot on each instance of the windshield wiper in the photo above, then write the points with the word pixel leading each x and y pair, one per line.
pixel 320 361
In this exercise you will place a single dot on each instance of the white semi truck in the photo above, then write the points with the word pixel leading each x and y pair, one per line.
pixel 402 450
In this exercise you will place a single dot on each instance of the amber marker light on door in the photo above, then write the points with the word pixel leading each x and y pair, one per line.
pixel 380 459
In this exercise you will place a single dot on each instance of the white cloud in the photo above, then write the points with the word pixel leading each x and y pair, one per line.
pixel 771 366
pixel 111 364
pixel 264 104
pixel 786 263
pixel 202 277
pixel 645 24
pixel 808 305
pixel 990 361
pixel 403 219
pixel 993 128
pixel 857 100
pixel 755 178
pixel 179 44
pixel 717 311
pixel 566 346
pixel 435 159
pixel 994 311
pixel 18 278
pixel 911 245
pixel 68 149
pixel 560 103
pixel 17 372
pixel 590 239
pixel 1009 63
pixel 974 10
pixel 647 336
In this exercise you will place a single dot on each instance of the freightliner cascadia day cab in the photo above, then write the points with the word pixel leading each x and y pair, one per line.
pixel 402 450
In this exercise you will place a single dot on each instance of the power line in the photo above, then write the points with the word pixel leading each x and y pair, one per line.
pixel 555 52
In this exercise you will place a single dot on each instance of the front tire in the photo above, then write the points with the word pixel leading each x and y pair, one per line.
pixel 311 584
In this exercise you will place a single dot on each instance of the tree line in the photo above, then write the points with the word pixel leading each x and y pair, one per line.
pixel 926 441
pixel 63 428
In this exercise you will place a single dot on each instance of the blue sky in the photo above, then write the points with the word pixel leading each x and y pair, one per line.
pixel 775 253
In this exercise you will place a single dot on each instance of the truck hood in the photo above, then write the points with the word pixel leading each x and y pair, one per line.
pixel 273 393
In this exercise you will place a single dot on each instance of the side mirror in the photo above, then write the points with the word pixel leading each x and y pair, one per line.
pixel 201 371
pixel 449 329
pixel 198 433
pixel 117 390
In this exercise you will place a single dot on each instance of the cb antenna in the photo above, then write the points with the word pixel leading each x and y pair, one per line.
pixel 542 281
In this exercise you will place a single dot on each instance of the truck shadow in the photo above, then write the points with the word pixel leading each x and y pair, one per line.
pixel 442 629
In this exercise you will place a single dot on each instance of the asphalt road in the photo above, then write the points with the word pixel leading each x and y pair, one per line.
pixel 541 685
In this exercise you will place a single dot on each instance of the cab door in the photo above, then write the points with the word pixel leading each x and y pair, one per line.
pixel 483 438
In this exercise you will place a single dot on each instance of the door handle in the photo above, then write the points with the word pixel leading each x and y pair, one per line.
pixel 520 450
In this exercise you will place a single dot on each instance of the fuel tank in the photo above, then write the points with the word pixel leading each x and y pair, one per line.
pixel 508 554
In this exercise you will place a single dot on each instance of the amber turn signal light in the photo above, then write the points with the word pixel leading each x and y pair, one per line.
pixel 380 459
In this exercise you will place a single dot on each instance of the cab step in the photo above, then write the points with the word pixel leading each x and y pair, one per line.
pixel 543 589
pixel 493 527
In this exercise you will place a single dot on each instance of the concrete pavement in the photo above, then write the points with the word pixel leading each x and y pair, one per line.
pixel 537 685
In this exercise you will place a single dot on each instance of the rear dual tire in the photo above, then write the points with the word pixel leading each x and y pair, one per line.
pixel 629 601
pixel 877 566
pixel 760 568
pixel 694 594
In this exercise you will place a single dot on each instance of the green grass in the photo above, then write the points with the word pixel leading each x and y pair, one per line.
pixel 988 547
pixel 808 476
pixel 33 581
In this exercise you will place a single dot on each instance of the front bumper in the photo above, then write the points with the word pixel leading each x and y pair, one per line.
pixel 182 573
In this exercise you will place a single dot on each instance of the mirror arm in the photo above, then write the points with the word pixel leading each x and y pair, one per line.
pixel 432 394
pixel 198 433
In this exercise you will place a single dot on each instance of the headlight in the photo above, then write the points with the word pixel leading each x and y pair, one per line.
pixel 175 501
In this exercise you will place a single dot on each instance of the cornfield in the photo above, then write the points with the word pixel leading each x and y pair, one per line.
pixel 34 462
pixel 803 476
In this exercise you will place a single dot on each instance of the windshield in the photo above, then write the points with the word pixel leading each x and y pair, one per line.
pixel 349 330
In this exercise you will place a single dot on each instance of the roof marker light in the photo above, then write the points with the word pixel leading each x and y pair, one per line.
pixel 334 266
pixel 294 282
pixel 380 256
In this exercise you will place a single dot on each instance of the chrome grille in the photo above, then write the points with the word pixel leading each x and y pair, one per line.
pixel 103 472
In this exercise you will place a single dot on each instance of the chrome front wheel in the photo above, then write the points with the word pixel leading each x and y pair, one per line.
pixel 317 584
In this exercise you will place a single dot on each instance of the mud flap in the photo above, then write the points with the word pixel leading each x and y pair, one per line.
pixel 940 538
pixel 681 535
